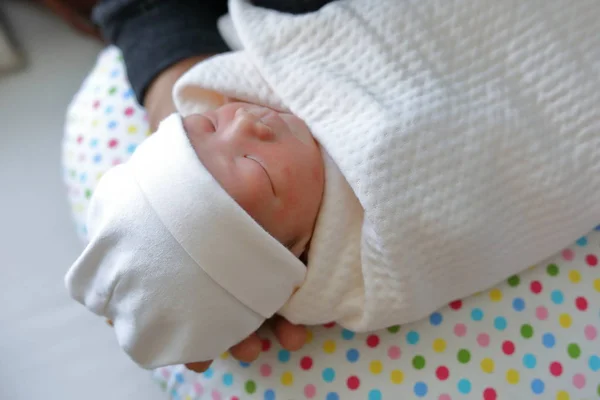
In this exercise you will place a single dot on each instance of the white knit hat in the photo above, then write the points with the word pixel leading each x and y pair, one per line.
pixel 177 265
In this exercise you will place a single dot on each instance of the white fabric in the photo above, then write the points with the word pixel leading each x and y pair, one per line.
pixel 468 134
pixel 181 270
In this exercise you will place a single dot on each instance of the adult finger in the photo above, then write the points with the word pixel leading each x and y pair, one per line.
pixel 291 337
pixel 248 349
pixel 198 367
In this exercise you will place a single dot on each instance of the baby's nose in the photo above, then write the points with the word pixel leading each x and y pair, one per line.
pixel 249 123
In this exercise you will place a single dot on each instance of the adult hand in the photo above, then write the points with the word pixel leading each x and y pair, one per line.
pixel 291 337
pixel 158 99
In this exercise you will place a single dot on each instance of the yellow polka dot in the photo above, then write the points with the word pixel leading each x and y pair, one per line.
pixel 78 208
pixel 287 379
pixel 225 356
pixel 512 376
pixel 95 122
pixel 376 367
pixel 487 365
pixel 188 397
pixel 597 285
pixel 397 376
pixel 99 176
pixel 309 336
pixel 439 345
pixel 148 132
pixel 132 129
pixel 565 320
pixel 562 395
pixel 495 295
pixel 329 346
pixel 574 276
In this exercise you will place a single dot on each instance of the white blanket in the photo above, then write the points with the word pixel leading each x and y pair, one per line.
pixel 468 134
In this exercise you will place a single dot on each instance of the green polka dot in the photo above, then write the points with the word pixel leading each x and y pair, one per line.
pixel 394 329
pixel 88 193
pixel 250 387
pixel 526 331
pixel 112 90
pixel 119 58
pixel 464 356
pixel 514 281
pixel 163 385
pixel 574 350
pixel 552 269
pixel 418 362
pixel 598 390
pixel 72 173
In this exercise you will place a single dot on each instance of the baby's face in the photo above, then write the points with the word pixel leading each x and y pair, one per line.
pixel 268 162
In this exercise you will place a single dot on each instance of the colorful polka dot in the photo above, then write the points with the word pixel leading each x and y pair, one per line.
pixel 536 287
pixel 590 332
pixel 353 383
pixel 394 352
pixel 579 381
pixel 460 330
pixel 565 320
pixel 463 356
pixel 439 345
pixel 500 323
pixel 352 355
pixel 464 386
pixel 526 331
pixel 490 394
pixel 552 270
pixel 556 368
pixel 568 254
pixel 476 314
pixel 418 362
pixel 487 365
pixel 548 340
pixel 442 373
pixel 394 329
pixel 541 313
pixel 518 304
pixel 591 260
pixel 329 346
pixel 265 370
pixel 594 363
pixel 310 391
pixel 347 335
pixel 512 376
pixel 557 297
pixel 375 394
pixel 412 337
pixel 372 341
pixel 328 375
pixel 562 395
pixel 537 386
pixel 396 376
pixel 306 363
pixel 376 367
pixel 574 276
pixel 455 305
pixel 514 281
pixel 508 347
pixel 435 319
pixel 250 387
pixel 420 389
pixel 495 295
pixel 283 356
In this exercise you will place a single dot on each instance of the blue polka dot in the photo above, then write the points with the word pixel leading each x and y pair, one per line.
pixel 464 386
pixel 435 319
pixel 476 314
pixel 83 177
pixel 131 148
pixel 114 73
pixel 518 304
pixel 227 379
pixel 209 373
pixel 109 109
pixel 179 377
pixel 244 364
pixel 269 394
pixel 557 297
pixel 420 389
pixel 548 340
pixel 582 241
pixel 328 374
pixel 93 142
pixel 412 337
pixel 500 323
pixel 597 228
pixel 174 394
pixel 537 386
pixel 112 124
pixel 594 363
pixel 332 396
pixel 283 356
pixel 347 335
pixel 374 395
pixel 128 93
pixel 352 355
pixel 97 158
pixel 529 361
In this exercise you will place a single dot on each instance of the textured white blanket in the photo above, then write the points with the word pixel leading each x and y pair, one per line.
pixel 468 134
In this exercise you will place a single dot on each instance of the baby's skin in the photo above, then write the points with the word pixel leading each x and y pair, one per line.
pixel 268 162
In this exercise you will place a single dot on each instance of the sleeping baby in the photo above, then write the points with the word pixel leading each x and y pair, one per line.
pixel 355 181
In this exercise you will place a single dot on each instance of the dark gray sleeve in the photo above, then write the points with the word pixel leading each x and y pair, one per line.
pixel 155 34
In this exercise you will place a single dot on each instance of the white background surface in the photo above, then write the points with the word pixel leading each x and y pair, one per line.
pixel 50 347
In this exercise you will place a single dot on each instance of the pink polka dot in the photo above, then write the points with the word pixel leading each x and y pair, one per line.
pixel 265 370
pixel 444 397
pixel 536 287
pixel 579 381
pixel 394 352
pixel 490 394
pixel 129 111
pixel 592 260
pixel 96 104
pixel 310 391
pixel 165 373
pixel 460 330
pixel 216 395
pixel 541 313
pixel 568 254
pixel 590 332
pixel 581 303
pixel 112 143
pixel 483 339
pixel 198 388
